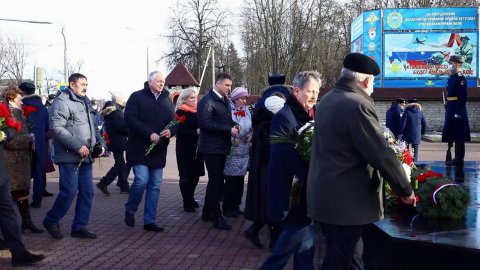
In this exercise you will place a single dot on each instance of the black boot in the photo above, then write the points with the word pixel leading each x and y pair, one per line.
pixel 187 201
pixel 252 234
pixel 191 192
pixel 275 231
pixel 27 223
pixel 26 258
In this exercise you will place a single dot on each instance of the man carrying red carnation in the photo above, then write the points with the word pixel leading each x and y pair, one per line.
pixel 147 113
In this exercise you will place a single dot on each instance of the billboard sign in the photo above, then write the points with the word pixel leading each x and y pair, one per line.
pixel 430 19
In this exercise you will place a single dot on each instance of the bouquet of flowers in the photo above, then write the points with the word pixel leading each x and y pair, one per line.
pixel 436 195
pixel 6 120
pixel 301 139
pixel 172 123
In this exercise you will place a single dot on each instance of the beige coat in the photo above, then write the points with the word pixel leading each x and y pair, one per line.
pixel 18 154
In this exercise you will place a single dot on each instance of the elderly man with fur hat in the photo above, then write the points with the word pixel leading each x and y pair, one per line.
pixel 349 154
pixel 456 128
pixel 116 133
pixel 38 119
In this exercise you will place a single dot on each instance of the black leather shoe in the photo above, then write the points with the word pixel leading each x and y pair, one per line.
pixel 36 205
pixel 26 258
pixel 238 212
pixel 83 233
pixel 47 194
pixel 253 238
pixel 207 218
pixel 3 245
pixel 195 204
pixel 221 224
pixel 103 188
pixel 231 214
pixel 53 230
pixel 129 219
pixel 188 208
pixel 124 190
pixel 152 227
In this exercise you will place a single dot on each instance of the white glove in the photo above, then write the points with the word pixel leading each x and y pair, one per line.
pixel 457 116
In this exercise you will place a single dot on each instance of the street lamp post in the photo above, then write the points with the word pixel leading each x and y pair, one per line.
pixel 148 62
pixel 64 54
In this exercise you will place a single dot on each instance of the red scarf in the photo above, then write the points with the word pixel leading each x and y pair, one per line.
pixel 185 107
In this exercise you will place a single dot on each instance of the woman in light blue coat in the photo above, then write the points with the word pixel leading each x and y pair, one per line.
pixel 236 164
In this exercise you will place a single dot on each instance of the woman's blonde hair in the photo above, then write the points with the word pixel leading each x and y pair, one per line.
pixel 184 94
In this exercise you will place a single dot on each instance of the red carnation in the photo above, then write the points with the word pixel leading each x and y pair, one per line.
pixel 27 110
pixel 428 174
pixel 106 137
pixel 4 111
pixel 240 113
pixel 180 119
pixel 407 157
pixel 18 126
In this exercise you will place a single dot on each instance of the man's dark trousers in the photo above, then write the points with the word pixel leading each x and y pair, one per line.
pixel 215 164
pixel 8 221
pixel 344 247
pixel 118 169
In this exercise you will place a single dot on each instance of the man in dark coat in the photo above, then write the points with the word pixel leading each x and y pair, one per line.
pixel 38 120
pixel 413 126
pixel 285 164
pixel 8 218
pixel 147 113
pixel 216 128
pixel 394 116
pixel 116 133
pixel 456 127
pixel 349 157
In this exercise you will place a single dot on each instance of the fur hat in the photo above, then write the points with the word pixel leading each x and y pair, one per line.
pixel 400 100
pixel 361 63
pixel 27 88
pixel 276 79
pixel 239 92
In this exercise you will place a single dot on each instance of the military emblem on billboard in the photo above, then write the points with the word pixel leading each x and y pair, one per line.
pixel 372 18
pixel 395 20
pixel 372 33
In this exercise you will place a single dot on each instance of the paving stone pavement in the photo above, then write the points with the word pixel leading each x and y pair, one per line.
pixel 186 243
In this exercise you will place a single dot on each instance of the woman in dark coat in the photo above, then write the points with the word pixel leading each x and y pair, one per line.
pixel 189 161
pixel 18 153
pixel 413 126
pixel 256 198
pixel 116 139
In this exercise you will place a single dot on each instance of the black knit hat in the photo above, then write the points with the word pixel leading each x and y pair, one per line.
pixel 400 100
pixel 276 79
pixel 361 63
pixel 27 88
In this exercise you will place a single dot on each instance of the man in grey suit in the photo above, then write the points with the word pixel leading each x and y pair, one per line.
pixel 349 158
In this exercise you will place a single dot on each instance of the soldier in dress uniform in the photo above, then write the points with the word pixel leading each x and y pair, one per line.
pixel 456 128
